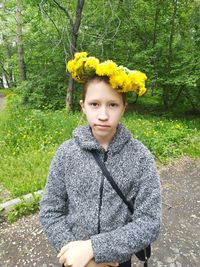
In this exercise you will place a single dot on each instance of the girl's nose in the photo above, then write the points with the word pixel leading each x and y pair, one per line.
pixel 103 114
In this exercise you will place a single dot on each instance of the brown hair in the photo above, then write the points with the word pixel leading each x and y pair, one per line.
pixel 100 79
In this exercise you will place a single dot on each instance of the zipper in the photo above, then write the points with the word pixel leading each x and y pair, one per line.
pixel 100 202
pixel 101 191
pixel 105 157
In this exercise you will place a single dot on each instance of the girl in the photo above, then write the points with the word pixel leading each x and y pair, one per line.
pixel 82 215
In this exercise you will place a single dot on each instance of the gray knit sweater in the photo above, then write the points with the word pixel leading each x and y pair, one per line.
pixel 70 207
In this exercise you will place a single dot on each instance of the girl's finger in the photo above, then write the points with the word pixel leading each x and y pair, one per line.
pixel 63 260
pixel 63 250
pixel 114 264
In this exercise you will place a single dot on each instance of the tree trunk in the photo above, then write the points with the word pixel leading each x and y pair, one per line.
pixel 10 67
pixel 189 98
pixel 165 96
pixel 171 37
pixel 153 61
pixel 73 46
pixel 7 80
pixel 69 96
pixel 157 11
pixel 73 43
pixel 5 75
pixel 1 83
pixel 7 69
pixel 166 89
pixel 175 101
pixel 22 69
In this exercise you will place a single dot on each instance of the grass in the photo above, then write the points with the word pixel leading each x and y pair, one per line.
pixel 24 208
pixel 6 91
pixel 29 139
pixel 166 138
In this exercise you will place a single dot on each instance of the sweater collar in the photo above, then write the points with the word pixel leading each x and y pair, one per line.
pixel 84 137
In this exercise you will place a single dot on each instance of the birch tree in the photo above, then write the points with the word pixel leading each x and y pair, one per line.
pixel 22 69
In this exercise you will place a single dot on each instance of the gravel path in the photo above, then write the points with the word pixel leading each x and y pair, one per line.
pixel 24 244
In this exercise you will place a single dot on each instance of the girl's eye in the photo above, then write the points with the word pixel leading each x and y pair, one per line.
pixel 94 104
pixel 113 105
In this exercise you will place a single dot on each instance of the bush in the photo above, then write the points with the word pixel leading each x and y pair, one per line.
pixel 42 93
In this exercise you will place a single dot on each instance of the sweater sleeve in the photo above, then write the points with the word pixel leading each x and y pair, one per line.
pixel 53 206
pixel 121 243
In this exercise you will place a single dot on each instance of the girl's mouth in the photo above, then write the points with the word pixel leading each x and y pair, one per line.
pixel 102 126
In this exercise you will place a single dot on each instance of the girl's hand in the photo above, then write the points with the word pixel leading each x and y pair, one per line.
pixel 92 263
pixel 76 253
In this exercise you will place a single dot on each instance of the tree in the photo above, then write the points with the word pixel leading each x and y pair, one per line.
pixel 73 42
pixel 22 69
pixel 170 54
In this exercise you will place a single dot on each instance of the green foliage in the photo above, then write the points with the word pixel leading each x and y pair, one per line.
pixel 25 207
pixel 160 38
pixel 144 35
pixel 42 93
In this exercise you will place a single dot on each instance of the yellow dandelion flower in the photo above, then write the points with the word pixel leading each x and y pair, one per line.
pixel 78 72
pixel 137 81
pixel 142 91
pixel 119 80
pixel 140 75
pixel 70 65
pixel 137 77
pixel 115 81
pixel 91 63
pixel 80 64
pixel 80 55
pixel 106 68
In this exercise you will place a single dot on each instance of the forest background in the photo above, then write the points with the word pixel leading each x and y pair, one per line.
pixel 38 37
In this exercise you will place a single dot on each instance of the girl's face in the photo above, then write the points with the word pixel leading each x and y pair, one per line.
pixel 103 107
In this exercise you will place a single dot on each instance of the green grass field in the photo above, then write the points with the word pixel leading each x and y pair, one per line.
pixel 29 139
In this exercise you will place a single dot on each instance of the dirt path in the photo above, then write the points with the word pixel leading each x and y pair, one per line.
pixel 24 244
pixel 2 99
pixel 179 241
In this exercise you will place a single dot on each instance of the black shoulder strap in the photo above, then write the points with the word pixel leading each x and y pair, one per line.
pixel 145 253
pixel 112 182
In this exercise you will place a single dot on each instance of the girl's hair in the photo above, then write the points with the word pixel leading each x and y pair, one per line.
pixel 100 79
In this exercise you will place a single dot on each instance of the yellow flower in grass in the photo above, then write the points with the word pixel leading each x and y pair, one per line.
pixel 106 68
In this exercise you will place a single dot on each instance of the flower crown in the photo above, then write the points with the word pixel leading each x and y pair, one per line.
pixel 121 78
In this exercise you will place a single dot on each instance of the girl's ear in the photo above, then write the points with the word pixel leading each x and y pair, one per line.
pixel 82 105
pixel 124 108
